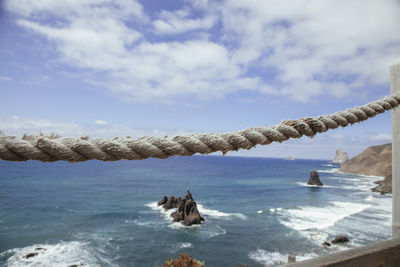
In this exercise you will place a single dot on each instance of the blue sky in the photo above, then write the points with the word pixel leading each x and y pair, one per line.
pixel 117 68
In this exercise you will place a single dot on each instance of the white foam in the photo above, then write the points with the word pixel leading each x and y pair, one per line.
pixel 58 255
pixel 273 210
pixel 178 225
pixel 308 185
pixel 165 213
pixel 220 231
pixel 273 258
pixel 183 245
pixel 219 214
pixel 260 211
pixel 203 211
pixel 333 170
pixel 328 165
pixel 309 217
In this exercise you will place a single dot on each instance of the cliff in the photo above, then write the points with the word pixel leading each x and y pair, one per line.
pixel 375 160
pixel 341 157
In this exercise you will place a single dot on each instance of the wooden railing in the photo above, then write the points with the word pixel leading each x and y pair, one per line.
pixel 382 254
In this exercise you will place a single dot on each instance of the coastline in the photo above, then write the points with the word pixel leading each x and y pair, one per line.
pixel 375 161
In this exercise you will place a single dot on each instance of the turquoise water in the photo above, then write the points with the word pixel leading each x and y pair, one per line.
pixel 256 210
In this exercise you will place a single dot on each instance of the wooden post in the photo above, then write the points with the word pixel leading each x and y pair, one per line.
pixel 395 89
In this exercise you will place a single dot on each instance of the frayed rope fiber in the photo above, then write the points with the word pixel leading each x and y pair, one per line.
pixel 81 149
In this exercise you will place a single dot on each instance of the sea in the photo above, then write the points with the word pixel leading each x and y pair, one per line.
pixel 257 211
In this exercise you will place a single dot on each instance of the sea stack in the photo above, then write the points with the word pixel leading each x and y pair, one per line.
pixel 314 179
pixel 186 209
pixel 341 157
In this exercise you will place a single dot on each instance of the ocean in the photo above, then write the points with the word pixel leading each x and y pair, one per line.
pixel 256 210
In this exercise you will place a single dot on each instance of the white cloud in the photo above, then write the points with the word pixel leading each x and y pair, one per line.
pixel 101 122
pixel 18 126
pixel 338 136
pixel 301 49
pixel 180 21
pixel 312 43
pixel 4 78
pixel 380 137
pixel 77 8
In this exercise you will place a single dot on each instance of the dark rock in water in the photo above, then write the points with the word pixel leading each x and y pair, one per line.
pixel 188 195
pixel 171 203
pixel 191 213
pixel 340 239
pixel 41 249
pixel 162 201
pixel 186 209
pixel 30 255
pixel 76 265
pixel 178 214
pixel 326 243
pixel 314 179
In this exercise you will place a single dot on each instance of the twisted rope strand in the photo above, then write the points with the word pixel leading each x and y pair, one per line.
pixel 81 149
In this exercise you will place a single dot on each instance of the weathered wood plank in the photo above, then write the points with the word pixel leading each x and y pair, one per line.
pixel 382 254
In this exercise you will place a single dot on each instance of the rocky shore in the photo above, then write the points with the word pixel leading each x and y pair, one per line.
pixel 375 160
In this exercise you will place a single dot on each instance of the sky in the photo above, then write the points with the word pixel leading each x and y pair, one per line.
pixel 103 68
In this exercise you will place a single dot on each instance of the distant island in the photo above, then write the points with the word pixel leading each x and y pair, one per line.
pixel 340 157
pixel 290 158
pixel 375 160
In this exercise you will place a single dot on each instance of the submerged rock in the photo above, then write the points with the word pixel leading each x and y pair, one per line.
pixel 186 209
pixel 340 239
pixel 314 179
pixel 30 255
pixel 326 244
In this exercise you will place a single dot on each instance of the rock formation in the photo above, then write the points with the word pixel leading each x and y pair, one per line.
pixel 375 160
pixel 326 244
pixel 341 157
pixel 340 239
pixel 314 179
pixel 186 209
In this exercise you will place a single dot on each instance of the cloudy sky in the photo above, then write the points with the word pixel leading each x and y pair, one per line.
pixel 129 67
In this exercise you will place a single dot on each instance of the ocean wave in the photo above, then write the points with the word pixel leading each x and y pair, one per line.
pixel 328 165
pixel 273 210
pixel 58 255
pixel 307 185
pixel 309 217
pixel 333 170
pixel 363 175
pixel 219 214
pixel 273 258
pixel 183 245
pixel 218 231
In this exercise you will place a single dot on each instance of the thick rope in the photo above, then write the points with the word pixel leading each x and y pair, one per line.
pixel 81 149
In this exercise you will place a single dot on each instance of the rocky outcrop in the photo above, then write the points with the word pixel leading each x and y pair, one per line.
pixel 341 157
pixel 162 201
pixel 375 160
pixel 30 255
pixel 340 239
pixel 186 209
pixel 314 179
pixel 384 186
